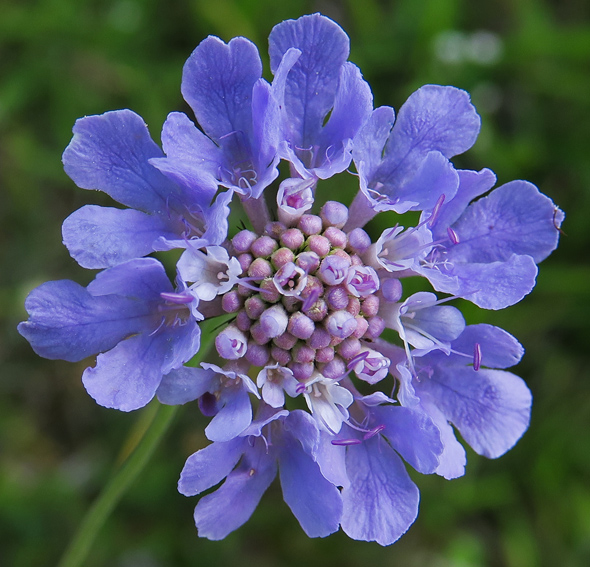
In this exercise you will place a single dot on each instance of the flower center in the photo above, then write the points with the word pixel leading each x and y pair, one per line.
pixel 314 304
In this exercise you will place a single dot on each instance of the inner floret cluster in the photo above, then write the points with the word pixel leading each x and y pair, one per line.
pixel 308 304
pixel 311 309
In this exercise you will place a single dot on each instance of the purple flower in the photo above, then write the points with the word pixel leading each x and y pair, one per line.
pixel 276 440
pixel 112 153
pixel 130 316
pixel 302 301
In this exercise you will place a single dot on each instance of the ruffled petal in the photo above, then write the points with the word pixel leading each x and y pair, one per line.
pixel 100 237
pixel 234 416
pixel 453 458
pixel 382 501
pixel 313 80
pixel 184 143
pixel 434 118
pixel 495 285
pixel 210 465
pixel 66 322
pixel 127 377
pixel 472 184
pixel 499 349
pixel 413 435
pixel 110 152
pixel 314 501
pixel 515 218
pixel 217 83
pixel 490 408
pixel 184 385
pixel 232 504
pixel 142 278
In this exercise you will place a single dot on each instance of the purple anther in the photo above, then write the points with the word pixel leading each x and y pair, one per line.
pixel 319 244
pixel 324 355
pixel 286 341
pixel 453 235
pixel 333 270
pixel 232 301
pixel 282 356
pixel 310 224
pixel 301 370
pixel 257 355
pixel 336 237
pixel 245 260
pixel 243 322
pixel 373 432
pixel 260 269
pixel 373 368
pixel 264 246
pixel 274 321
pixel 320 339
pixel 182 298
pixel 361 327
pixel 258 334
pixel 275 229
pixel 362 281
pixel 254 307
pixel 301 326
pixel 360 357
pixel 341 324
pixel 294 197
pixel 376 327
pixel 345 442
pixel 281 257
pixel 231 343
pixel 290 279
pixel 334 369
pixel 268 291
pixel 349 348
pixel 334 213
pixel 337 297
pixel 476 356
pixel 303 354
pixel 309 262
pixel 391 289
pixel 300 388
pixel 243 240
pixel 436 211
pixel 370 306
pixel 358 241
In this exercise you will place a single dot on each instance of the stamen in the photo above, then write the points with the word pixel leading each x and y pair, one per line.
pixel 453 235
pixel 178 298
pixel 373 432
pixel 360 357
pixel 476 357
pixel 345 442
pixel 436 211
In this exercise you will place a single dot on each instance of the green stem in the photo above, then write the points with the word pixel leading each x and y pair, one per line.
pixel 79 547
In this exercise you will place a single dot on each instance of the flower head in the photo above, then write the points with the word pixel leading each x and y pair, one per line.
pixel 303 299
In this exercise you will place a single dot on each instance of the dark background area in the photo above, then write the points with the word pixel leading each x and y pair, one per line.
pixel 526 64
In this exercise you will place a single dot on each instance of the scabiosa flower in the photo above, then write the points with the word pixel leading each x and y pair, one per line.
pixel 302 380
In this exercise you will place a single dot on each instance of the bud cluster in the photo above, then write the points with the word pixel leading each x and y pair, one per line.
pixel 308 302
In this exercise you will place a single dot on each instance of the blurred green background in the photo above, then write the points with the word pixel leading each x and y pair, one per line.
pixel 527 65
